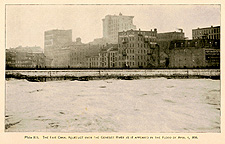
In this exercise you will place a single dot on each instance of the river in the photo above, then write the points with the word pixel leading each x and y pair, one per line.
pixel 156 105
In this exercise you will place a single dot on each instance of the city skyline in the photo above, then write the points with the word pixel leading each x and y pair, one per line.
pixel 25 24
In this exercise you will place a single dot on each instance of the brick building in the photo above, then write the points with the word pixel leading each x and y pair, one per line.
pixel 137 49
pixel 163 41
pixel 194 54
pixel 112 24
pixel 206 33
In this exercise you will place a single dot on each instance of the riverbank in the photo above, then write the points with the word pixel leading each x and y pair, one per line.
pixel 127 74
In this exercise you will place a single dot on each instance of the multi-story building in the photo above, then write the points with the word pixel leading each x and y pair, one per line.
pixel 93 61
pixel 194 54
pixel 112 56
pixel 104 55
pixel 25 57
pixel 55 39
pixel 168 36
pixel 137 49
pixel 206 33
pixel 163 41
pixel 10 59
pixel 61 58
pixel 74 55
pixel 112 24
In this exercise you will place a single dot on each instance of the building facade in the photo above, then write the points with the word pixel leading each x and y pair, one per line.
pixel 55 39
pixel 194 54
pixel 168 36
pixel 74 55
pixel 163 41
pixel 105 55
pixel 206 33
pixel 93 61
pixel 112 24
pixel 25 57
pixel 137 49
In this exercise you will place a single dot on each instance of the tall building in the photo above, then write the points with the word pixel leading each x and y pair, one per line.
pixel 206 33
pixel 112 24
pixel 55 39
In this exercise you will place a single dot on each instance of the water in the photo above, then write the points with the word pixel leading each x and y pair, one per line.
pixel 143 106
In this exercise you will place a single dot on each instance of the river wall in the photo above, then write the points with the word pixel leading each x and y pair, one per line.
pixel 116 72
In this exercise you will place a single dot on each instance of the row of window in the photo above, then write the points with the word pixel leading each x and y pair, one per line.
pixel 216 36
pixel 139 51
pixel 206 31
pixel 127 39
pixel 140 33
pixel 141 45
pixel 133 63
pixel 141 57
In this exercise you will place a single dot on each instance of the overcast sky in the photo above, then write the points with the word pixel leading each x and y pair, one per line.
pixel 25 24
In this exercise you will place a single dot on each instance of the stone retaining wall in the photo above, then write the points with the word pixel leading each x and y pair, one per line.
pixel 126 72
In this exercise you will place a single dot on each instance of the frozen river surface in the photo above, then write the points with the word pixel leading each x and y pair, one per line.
pixel 143 106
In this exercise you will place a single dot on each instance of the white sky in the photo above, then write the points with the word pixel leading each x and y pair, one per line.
pixel 25 24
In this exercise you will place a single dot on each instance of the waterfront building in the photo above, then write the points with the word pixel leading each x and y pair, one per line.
pixel 93 61
pixel 194 54
pixel 104 55
pixel 74 55
pixel 112 56
pixel 25 57
pixel 55 39
pixel 112 24
pixel 163 41
pixel 212 32
pixel 10 59
pixel 137 49
pixel 61 58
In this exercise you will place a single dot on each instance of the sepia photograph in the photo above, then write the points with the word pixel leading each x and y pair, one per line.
pixel 112 68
